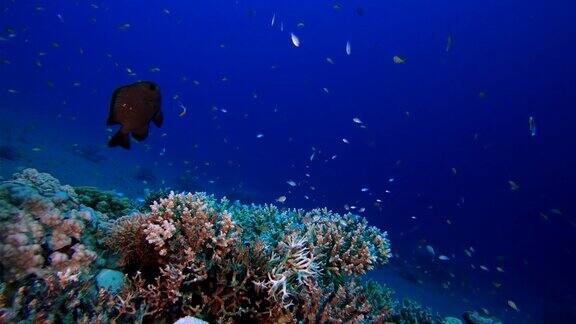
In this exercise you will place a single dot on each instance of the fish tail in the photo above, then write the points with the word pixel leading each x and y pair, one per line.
pixel 120 139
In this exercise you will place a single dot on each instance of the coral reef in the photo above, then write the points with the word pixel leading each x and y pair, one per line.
pixel 66 258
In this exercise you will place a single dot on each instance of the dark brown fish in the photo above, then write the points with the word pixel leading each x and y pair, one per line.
pixel 133 107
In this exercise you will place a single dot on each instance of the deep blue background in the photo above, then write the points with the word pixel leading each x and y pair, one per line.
pixel 466 108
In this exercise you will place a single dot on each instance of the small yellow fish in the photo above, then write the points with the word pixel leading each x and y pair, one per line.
pixel 281 199
pixel 37 149
pixel 154 69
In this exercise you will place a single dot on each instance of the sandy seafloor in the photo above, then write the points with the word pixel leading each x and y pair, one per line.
pixel 41 146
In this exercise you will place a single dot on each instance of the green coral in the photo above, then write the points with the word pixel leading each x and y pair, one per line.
pixel 151 197
pixel 105 202
pixel 410 312
pixel 265 223
pixel 380 296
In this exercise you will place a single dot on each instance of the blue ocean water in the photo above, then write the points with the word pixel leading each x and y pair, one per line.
pixel 436 150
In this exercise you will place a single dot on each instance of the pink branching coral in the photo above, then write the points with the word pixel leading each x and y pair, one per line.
pixel 186 238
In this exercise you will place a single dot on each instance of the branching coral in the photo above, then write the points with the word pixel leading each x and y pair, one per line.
pixel 185 239
pixel 381 298
pixel 345 244
pixel 128 240
pixel 264 266
pixel 411 312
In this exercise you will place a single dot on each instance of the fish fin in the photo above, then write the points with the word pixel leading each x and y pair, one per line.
pixel 158 119
pixel 120 139
pixel 140 134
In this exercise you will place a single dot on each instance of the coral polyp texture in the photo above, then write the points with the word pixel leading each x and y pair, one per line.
pixel 189 255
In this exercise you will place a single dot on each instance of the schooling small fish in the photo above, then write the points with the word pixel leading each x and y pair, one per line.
pixel 133 107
